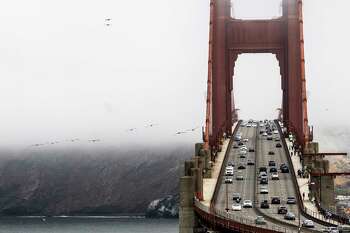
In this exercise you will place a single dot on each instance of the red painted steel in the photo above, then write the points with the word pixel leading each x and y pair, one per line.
pixel 334 174
pixel 230 37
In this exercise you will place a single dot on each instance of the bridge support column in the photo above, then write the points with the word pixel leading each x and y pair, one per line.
pixel 186 212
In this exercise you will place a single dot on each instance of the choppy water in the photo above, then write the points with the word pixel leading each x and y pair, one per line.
pixel 88 225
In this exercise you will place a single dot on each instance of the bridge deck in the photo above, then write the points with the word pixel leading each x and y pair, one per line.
pixel 249 187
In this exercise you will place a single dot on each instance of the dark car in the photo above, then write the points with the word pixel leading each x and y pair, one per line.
pixel 236 197
pixel 262 169
pixel 272 163
pixel 282 210
pixel 271 153
pixel 264 204
pixel 282 165
pixel 250 162
pixel 264 181
pixel 291 200
pixel 273 170
pixel 235 146
pixel 240 144
pixel 251 150
pixel 275 200
pixel 289 216
pixel 241 166
pixel 285 169
pixel 278 145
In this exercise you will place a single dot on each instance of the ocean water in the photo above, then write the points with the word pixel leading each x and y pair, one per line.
pixel 87 225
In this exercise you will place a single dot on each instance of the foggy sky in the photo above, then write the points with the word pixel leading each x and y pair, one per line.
pixel 64 74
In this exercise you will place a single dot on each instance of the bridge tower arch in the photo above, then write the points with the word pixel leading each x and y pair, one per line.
pixel 230 37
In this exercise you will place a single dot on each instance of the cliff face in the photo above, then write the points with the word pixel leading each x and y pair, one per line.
pixel 88 182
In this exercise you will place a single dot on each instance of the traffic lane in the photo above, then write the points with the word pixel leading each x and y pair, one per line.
pixel 243 187
pixel 286 185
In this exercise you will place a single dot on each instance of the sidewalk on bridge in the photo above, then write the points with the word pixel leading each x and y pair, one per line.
pixel 210 183
pixel 309 205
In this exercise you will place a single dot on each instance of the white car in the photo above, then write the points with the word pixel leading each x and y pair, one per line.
pixel 236 207
pixel 264 190
pixel 229 172
pixel 228 180
pixel 275 132
pixel 274 176
pixel 308 223
pixel 245 140
pixel 247 204
pixel 264 134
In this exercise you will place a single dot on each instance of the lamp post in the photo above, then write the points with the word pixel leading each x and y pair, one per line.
pixel 227 209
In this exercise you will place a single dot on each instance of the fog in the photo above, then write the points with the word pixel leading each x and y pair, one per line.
pixel 66 74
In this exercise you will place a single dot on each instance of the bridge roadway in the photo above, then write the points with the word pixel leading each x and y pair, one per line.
pixel 249 187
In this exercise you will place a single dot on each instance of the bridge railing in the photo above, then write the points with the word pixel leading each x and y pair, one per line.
pixel 246 224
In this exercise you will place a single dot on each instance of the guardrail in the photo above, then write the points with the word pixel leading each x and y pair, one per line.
pixel 335 217
pixel 229 221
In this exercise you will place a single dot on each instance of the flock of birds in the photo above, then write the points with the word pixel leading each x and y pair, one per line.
pixel 99 140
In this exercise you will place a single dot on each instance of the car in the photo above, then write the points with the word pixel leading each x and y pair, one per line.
pixel 241 166
pixel 285 169
pixel 269 138
pixel 272 163
pixel 273 170
pixel 264 180
pixel 262 169
pixel 271 153
pixel 264 190
pixel 250 162
pixel 245 140
pixel 282 210
pixel 262 175
pixel 264 204
pixel 261 132
pixel 277 139
pixel 275 200
pixel 236 197
pixel 260 220
pixel 289 216
pixel 229 172
pixel 330 230
pixel 308 223
pixel 240 143
pixel 235 146
pixel 243 156
pixel 236 207
pixel 228 180
pixel 251 150
pixel 291 200
pixel 275 132
pixel 247 204
pixel 278 145
pixel 230 164
pixel 274 176
pixel 264 134
pixel 239 177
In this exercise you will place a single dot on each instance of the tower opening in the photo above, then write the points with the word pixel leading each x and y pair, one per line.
pixel 257 86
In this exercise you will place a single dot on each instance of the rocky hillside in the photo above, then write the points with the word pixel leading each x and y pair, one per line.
pixel 89 181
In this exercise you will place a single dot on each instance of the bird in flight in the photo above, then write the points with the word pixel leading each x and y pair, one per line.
pixel 180 132
pixel 192 130
pixel 94 140
pixel 151 125
pixel 131 130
